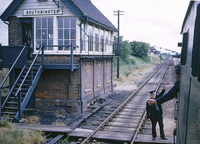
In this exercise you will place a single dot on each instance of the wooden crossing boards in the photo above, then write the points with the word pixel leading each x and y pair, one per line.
pixel 119 137
pixel 103 135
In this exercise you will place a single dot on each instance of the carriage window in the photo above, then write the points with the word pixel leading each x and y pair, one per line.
pixel 44 32
pixel 66 32
pixel 184 49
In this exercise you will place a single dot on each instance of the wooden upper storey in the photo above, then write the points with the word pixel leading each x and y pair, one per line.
pixel 63 22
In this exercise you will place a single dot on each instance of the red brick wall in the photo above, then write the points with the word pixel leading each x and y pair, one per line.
pixel 54 92
pixel 96 79
pixel 87 80
pixel 53 85
pixel 14 31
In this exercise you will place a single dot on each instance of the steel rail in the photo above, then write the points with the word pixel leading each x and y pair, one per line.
pixel 86 140
pixel 144 115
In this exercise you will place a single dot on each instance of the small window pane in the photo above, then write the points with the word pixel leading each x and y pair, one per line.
pixel 50 34
pixel 60 22
pixel 50 42
pixel 44 22
pixel 66 42
pixel 73 34
pixel 44 34
pixel 38 34
pixel 73 22
pixel 60 34
pixel 38 44
pixel 66 34
pixel 60 42
pixel 38 22
pixel 66 22
pixel 73 42
pixel 50 23
pixel 44 42
pixel 67 45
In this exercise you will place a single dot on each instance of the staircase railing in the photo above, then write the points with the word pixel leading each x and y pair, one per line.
pixel 18 93
pixel 11 90
pixel 12 67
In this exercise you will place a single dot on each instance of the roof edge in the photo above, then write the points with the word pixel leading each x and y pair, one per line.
pixel 186 15
pixel 10 9
pixel 101 24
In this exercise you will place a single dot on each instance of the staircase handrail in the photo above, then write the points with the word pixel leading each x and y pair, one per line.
pixel 11 90
pixel 12 67
pixel 41 48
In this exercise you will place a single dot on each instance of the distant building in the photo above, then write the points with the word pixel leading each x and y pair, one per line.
pixel 67 80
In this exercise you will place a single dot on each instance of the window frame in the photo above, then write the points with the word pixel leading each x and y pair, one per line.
pixel 55 50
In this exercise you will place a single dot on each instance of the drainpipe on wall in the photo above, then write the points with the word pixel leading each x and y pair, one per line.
pixel 81 47
pixel 85 18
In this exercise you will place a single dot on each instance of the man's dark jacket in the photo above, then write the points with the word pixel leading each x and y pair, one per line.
pixel 151 110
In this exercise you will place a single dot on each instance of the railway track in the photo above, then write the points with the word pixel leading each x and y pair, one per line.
pixel 52 137
pixel 123 124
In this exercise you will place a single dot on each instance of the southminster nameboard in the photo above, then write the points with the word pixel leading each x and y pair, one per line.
pixel 52 11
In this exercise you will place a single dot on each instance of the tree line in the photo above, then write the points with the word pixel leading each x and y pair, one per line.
pixel 134 48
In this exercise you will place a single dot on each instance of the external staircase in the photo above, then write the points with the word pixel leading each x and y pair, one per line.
pixel 23 87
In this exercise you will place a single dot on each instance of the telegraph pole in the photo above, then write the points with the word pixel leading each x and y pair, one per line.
pixel 118 13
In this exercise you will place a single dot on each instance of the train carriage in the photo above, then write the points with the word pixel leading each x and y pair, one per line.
pixel 188 130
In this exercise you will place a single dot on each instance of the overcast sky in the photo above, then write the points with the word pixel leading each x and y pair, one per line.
pixel 157 22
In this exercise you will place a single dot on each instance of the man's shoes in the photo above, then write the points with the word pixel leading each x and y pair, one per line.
pixel 164 138
pixel 153 138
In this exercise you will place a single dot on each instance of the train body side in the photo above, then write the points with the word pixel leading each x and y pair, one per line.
pixel 189 98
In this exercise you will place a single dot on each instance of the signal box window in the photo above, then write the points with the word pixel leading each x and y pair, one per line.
pixel 66 32
pixel 44 32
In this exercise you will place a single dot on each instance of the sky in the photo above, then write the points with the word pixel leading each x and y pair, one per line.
pixel 157 22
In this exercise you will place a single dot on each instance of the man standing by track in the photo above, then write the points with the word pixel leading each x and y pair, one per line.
pixel 154 114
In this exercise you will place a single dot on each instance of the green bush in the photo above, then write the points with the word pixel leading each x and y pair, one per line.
pixel 17 133
pixel 133 61
pixel 140 49
pixel 5 122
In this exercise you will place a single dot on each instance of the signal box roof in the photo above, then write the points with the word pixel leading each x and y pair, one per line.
pixel 83 9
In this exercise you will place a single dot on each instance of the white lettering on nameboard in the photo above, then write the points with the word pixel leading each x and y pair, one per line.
pixel 31 12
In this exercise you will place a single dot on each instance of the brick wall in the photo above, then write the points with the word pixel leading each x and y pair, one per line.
pixel 87 80
pixel 96 79
pixel 53 91
pixel 14 31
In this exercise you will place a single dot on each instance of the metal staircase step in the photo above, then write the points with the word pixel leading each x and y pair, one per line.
pixel 24 85
pixel 11 108
pixel 13 103
pixel 16 98
pixel 13 93
pixel 23 89
pixel 9 113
